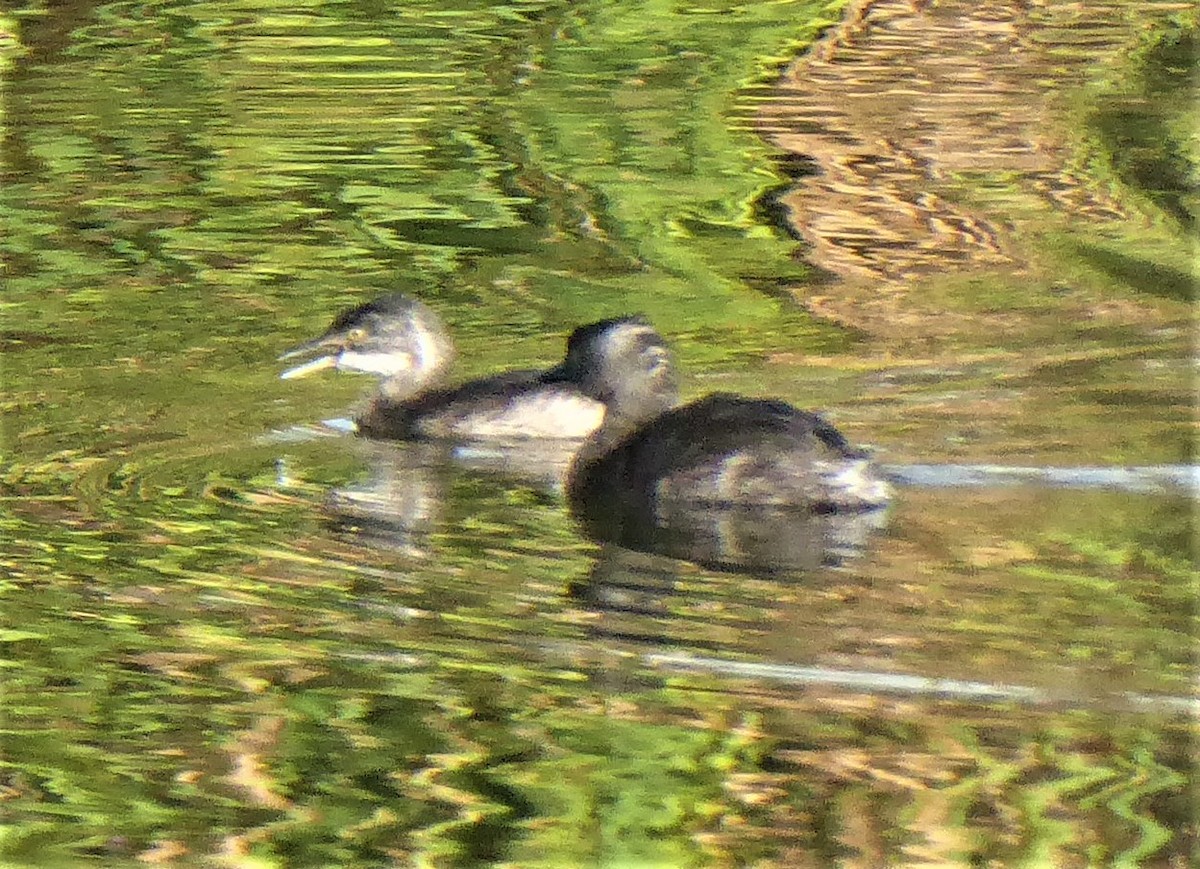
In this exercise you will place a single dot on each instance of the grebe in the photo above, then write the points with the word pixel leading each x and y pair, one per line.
pixel 404 342
pixel 721 450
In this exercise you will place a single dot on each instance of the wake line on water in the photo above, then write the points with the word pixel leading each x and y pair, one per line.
pixel 1135 478
pixel 1148 478
pixel 903 684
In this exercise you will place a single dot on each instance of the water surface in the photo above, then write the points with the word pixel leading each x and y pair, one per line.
pixel 234 638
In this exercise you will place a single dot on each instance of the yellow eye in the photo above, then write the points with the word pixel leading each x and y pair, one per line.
pixel 356 335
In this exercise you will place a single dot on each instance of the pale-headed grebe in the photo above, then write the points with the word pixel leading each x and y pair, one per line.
pixel 403 341
pixel 721 450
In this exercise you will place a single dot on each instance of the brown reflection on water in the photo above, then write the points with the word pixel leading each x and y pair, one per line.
pixel 901 97
pixel 933 783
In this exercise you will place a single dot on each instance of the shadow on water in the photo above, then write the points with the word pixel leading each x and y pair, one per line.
pixel 1142 274
pixel 1146 152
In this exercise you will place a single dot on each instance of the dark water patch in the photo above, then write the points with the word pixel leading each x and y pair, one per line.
pixel 770 208
pixel 1140 143
pixel 12 340
pixel 1142 274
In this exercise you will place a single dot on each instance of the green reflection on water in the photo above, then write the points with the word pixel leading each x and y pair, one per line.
pixel 198 662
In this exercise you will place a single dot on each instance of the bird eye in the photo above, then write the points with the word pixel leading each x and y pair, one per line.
pixel 656 359
pixel 356 335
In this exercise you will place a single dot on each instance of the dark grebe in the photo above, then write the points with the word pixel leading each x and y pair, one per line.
pixel 405 343
pixel 722 450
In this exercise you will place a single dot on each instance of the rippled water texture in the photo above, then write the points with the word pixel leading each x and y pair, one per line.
pixel 233 636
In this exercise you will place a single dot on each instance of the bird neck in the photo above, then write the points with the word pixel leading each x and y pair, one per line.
pixel 621 419
pixel 429 361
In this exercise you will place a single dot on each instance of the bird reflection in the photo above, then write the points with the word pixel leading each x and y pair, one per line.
pixel 656 600
pixel 744 538
pixel 635 584
pixel 405 495
pixel 399 504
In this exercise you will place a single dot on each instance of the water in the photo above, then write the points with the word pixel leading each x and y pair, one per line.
pixel 233 634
